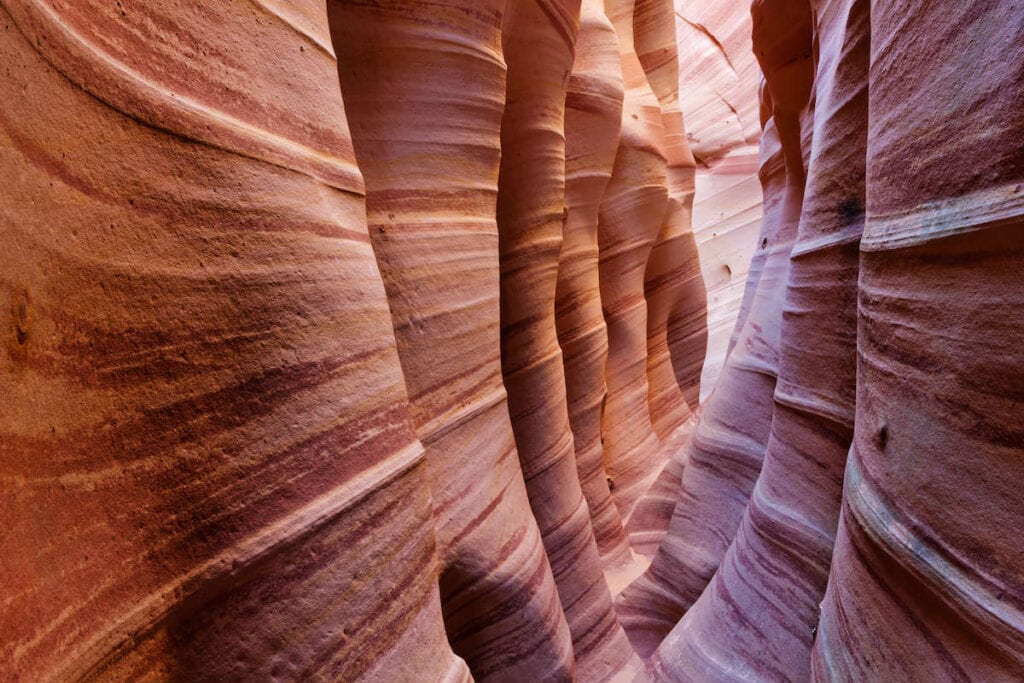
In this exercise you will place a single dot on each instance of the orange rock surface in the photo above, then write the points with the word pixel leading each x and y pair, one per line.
pixel 367 340
pixel 431 212
pixel 593 112
pixel 207 462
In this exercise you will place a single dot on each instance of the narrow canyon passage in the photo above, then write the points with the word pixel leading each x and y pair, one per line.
pixel 512 340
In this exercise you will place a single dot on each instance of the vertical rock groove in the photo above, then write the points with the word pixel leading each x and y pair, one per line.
pixel 593 112
pixel 727 448
pixel 673 285
pixel 765 595
pixel 422 340
pixel 431 199
pixel 676 297
pixel 630 217
pixel 538 39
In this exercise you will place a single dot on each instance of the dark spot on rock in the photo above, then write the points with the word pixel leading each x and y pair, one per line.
pixel 882 436
pixel 764 243
pixel 851 210
pixel 635 117
pixel 19 309
pixel 611 483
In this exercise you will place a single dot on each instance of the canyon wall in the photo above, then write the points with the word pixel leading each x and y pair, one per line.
pixel 808 539
pixel 207 451
pixel 366 340
pixel 718 86
pixel 286 394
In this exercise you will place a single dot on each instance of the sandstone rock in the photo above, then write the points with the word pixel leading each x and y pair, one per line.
pixel 413 400
pixel 538 39
pixel 718 79
pixel 593 111
pixel 207 463
pixel 927 574
pixel 758 615
pixel 431 198
pixel 630 217
pixel 673 286
pixel 727 448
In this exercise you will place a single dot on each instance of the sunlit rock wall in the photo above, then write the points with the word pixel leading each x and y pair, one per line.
pixel 285 394
pixel 718 83
pixel 362 340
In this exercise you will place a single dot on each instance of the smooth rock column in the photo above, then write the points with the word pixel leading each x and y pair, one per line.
pixel 538 39
pixel 593 112
pixel 207 466
pixel 425 84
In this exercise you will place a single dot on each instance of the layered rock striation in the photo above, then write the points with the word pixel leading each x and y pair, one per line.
pixel 366 340
pixel 719 77
pixel 208 464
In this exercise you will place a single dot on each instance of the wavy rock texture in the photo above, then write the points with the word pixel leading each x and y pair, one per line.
pixel 207 462
pixel 593 112
pixel 725 454
pixel 630 217
pixel 431 199
pixel 362 341
pixel 718 85
pixel 673 285
pixel 538 38
pixel 758 615
pixel 927 575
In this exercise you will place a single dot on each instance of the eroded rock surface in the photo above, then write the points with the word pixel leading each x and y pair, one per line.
pixel 207 460
pixel 719 78
pixel 365 340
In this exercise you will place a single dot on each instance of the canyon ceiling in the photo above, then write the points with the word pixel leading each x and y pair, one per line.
pixel 512 340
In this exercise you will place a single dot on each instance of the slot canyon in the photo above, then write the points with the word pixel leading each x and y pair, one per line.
pixel 512 340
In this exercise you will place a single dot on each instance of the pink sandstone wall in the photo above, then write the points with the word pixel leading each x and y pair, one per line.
pixel 365 340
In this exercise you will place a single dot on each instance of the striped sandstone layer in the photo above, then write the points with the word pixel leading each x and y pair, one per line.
pixel 538 41
pixel 927 577
pixel 726 451
pixel 431 199
pixel 344 341
pixel 630 217
pixel 593 112
pixel 758 615
pixel 718 86
pixel 207 462
pixel 673 285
